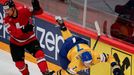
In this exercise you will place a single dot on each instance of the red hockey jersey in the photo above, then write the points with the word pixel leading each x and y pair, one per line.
pixel 14 26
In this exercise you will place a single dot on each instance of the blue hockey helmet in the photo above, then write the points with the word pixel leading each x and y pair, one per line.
pixel 86 56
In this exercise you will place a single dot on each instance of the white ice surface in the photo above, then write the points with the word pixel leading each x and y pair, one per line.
pixel 7 66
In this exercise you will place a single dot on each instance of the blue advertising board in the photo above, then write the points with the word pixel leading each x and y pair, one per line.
pixel 1 20
pixel 3 35
pixel 51 40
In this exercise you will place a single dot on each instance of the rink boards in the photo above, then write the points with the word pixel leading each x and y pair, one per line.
pixel 51 40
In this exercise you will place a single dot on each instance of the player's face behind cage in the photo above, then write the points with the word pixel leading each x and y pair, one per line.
pixel 9 7
pixel 9 11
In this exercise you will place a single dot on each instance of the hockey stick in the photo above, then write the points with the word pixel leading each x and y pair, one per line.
pixel 98 33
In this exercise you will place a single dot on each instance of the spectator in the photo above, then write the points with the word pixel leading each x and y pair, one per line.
pixel 123 28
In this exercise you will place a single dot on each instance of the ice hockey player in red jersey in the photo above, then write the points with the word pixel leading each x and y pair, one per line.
pixel 22 37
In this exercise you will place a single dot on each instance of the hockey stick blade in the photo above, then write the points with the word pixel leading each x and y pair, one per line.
pixel 97 28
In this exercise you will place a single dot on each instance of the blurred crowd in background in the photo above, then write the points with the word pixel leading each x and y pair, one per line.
pixel 115 17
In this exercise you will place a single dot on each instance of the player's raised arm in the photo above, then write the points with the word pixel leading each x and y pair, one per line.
pixel 36 7
pixel 65 32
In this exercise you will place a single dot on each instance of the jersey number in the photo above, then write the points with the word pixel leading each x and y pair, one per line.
pixel 18 26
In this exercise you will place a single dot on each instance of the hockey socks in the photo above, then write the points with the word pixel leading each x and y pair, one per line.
pixel 23 68
pixel 41 61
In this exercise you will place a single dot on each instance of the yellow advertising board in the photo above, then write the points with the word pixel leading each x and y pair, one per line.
pixel 101 68
pixel 124 59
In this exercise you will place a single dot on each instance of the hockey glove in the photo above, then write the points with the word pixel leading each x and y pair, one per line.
pixel 103 57
pixel 116 69
pixel 27 28
pixel 36 5
pixel 60 21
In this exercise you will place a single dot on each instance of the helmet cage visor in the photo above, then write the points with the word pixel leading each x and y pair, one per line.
pixel 6 7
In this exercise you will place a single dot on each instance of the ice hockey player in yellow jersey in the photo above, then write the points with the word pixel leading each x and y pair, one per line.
pixel 76 55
